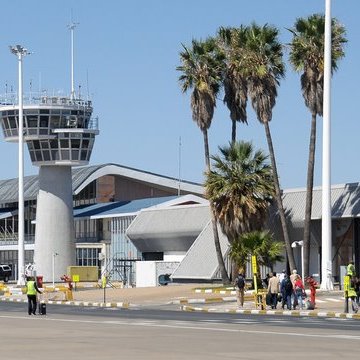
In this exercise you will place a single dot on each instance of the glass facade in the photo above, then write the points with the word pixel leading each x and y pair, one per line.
pixel 122 249
pixel 87 257
pixel 41 121
pixel 66 147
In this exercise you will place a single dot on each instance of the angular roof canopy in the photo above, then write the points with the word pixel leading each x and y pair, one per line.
pixel 83 176
pixel 201 261
pixel 345 202
pixel 117 208
pixel 170 228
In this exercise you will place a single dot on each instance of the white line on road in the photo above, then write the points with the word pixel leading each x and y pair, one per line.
pixel 186 327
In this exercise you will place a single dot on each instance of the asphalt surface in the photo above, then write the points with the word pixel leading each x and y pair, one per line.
pixel 92 332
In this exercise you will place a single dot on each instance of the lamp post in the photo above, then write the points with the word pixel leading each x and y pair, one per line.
pixel 54 255
pixel 20 52
pixel 326 238
pixel 301 244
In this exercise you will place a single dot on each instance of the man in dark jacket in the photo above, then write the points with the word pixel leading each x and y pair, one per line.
pixel 286 290
pixel 240 289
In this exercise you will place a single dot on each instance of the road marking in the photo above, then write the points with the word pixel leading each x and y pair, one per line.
pixel 186 327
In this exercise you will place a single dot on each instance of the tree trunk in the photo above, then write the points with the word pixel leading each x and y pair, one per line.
pixel 309 196
pixel 289 250
pixel 224 276
pixel 233 131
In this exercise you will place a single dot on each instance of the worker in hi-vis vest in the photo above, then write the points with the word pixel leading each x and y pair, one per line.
pixel 350 269
pixel 31 291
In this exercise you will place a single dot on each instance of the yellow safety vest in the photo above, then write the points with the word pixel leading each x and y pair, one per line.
pixel 350 269
pixel 31 288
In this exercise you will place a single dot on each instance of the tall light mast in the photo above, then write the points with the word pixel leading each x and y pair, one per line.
pixel 59 132
pixel 19 51
pixel 71 27
pixel 326 241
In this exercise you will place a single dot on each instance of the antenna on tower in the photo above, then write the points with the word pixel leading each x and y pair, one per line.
pixel 71 27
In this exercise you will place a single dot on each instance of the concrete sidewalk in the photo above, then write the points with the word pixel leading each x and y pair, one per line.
pixel 189 297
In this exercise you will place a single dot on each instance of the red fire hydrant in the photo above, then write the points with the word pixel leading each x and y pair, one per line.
pixel 312 285
pixel 67 279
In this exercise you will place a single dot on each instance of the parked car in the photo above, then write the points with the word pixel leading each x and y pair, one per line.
pixel 5 272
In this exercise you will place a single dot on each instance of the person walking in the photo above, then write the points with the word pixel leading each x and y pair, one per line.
pixel 293 277
pixel 299 291
pixel 273 289
pixel 31 292
pixel 312 285
pixel 286 289
pixel 240 289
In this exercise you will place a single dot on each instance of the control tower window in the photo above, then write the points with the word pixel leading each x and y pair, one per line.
pixel 36 144
pixel 55 155
pixel 44 121
pixel 12 122
pixel 65 155
pixel 54 144
pixel 46 155
pixel 44 144
pixel 83 155
pixel 5 123
pixel 38 155
pixel 75 155
pixel 75 143
pixel 64 143
pixel 54 121
pixel 32 121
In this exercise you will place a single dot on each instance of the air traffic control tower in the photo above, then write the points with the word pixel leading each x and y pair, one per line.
pixel 59 132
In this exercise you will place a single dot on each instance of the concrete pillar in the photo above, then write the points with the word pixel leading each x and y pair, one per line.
pixel 55 232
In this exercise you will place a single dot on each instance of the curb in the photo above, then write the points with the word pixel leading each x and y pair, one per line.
pixel 121 305
pixel 296 313
pixel 202 301
pixel 231 291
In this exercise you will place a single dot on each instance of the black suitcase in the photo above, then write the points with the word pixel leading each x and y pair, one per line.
pixel 42 309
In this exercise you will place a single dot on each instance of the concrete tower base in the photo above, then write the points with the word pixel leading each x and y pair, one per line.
pixel 55 232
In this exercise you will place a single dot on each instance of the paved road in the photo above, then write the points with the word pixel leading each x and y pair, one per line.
pixel 93 333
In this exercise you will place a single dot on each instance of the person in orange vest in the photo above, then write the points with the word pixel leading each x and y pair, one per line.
pixel 31 291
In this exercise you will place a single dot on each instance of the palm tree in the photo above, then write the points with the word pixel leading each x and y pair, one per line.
pixel 307 56
pixel 231 42
pixel 259 244
pixel 265 68
pixel 240 187
pixel 201 67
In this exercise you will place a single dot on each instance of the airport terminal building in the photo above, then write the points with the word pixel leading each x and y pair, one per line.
pixel 124 216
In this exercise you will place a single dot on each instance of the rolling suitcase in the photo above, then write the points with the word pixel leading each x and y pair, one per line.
pixel 42 308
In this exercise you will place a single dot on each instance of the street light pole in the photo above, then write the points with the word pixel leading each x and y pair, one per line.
pixel 20 52
pixel 54 254
pixel 326 240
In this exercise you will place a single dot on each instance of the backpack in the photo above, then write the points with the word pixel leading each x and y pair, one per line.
pixel 240 282
pixel 288 285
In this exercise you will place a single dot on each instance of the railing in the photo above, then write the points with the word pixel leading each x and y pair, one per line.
pixel 13 239
pixel 34 98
